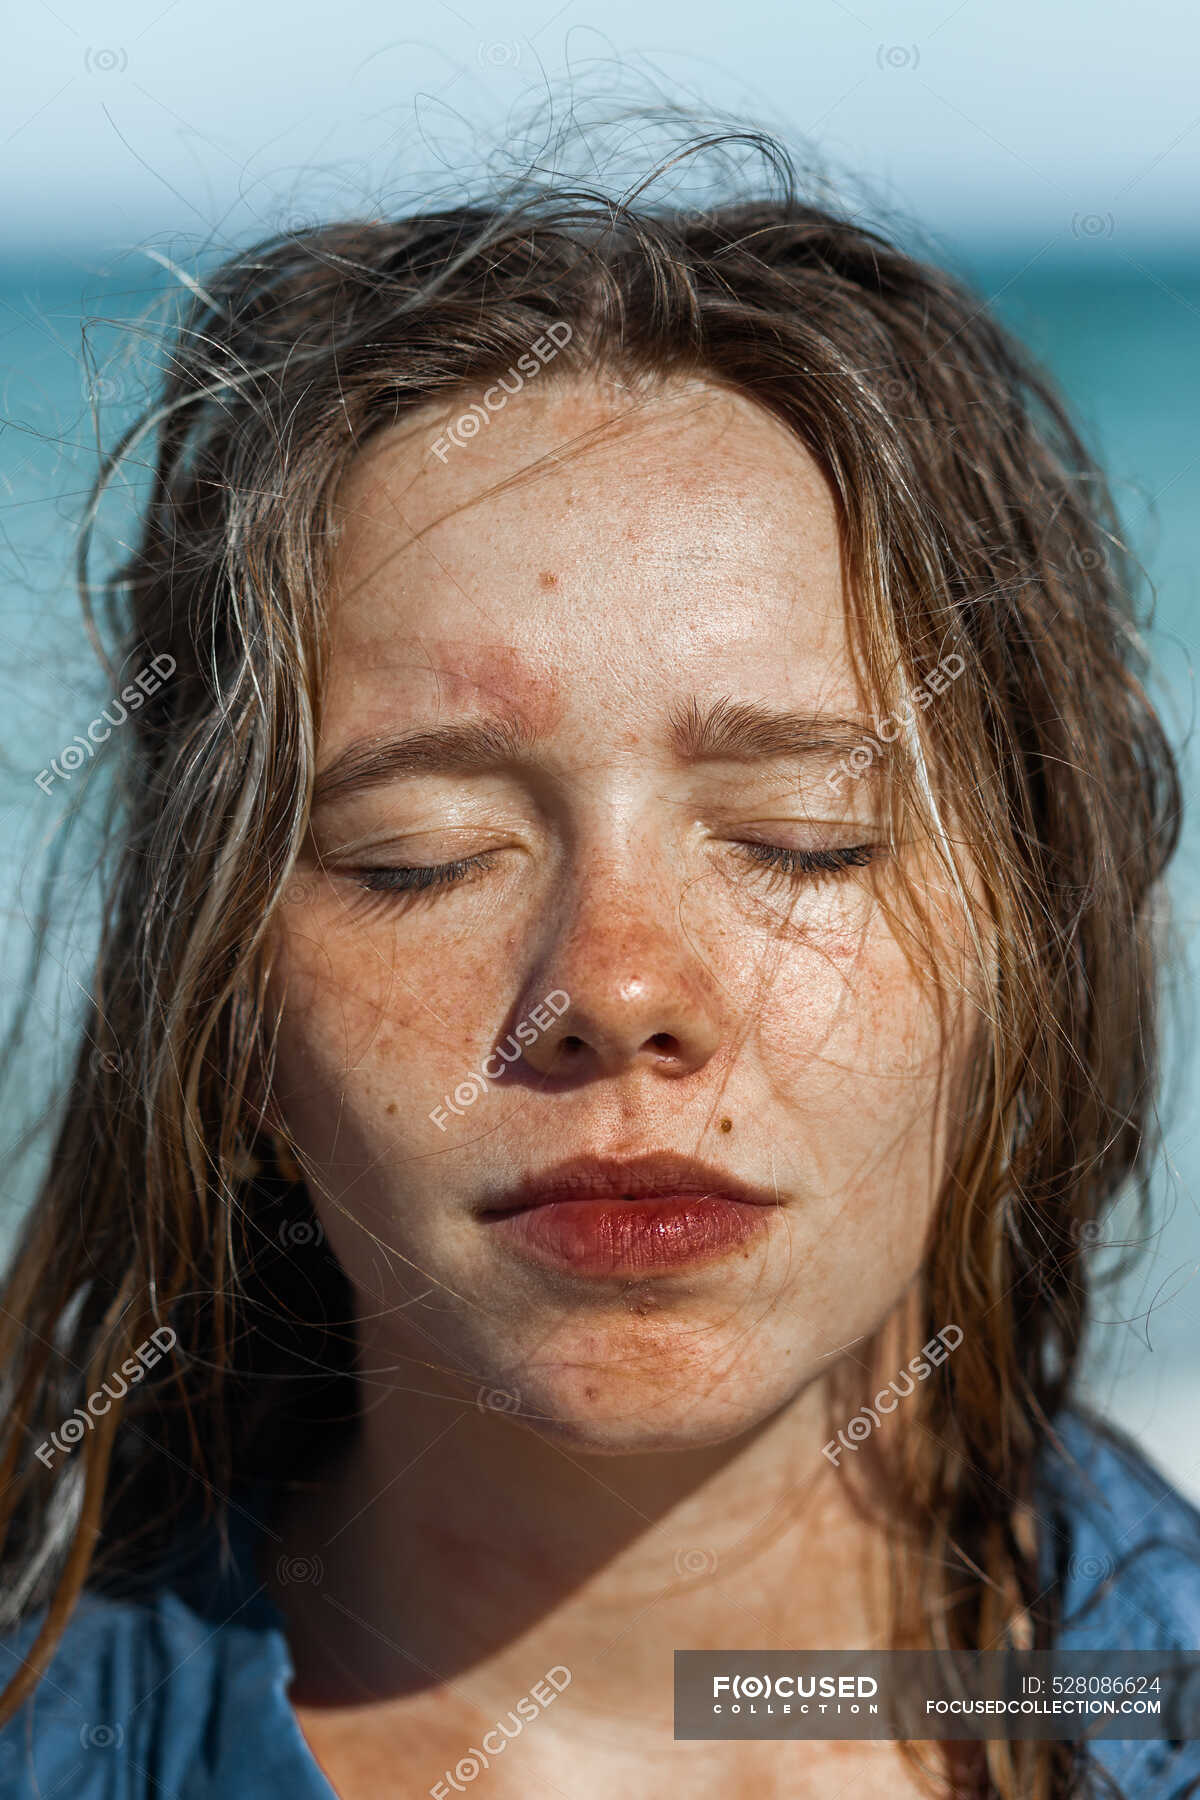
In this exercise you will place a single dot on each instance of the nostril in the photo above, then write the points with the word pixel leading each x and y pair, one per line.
pixel 571 1044
pixel 662 1040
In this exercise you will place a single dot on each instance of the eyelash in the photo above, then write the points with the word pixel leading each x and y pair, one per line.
pixel 773 858
pixel 420 877
pixel 782 861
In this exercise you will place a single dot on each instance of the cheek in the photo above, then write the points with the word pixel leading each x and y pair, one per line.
pixel 379 1028
pixel 845 1048
pixel 846 1022
pixel 823 1002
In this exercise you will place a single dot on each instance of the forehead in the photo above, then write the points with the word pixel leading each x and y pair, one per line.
pixel 586 539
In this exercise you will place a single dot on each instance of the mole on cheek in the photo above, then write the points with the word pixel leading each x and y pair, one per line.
pixel 548 579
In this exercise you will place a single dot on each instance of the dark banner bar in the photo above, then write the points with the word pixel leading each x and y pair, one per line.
pixel 922 1694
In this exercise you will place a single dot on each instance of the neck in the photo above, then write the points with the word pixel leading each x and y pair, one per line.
pixel 453 1538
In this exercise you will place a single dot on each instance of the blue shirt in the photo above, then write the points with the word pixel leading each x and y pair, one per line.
pixel 186 1697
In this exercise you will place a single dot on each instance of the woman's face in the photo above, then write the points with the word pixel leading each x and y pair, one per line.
pixel 576 896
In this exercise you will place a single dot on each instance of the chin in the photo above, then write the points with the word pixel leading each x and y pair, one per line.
pixel 632 1437
pixel 606 1409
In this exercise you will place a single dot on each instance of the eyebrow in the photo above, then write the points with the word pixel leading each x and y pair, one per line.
pixel 746 731
pixel 469 748
pixel 723 731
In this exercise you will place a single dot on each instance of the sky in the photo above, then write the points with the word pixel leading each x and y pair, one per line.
pixel 1072 125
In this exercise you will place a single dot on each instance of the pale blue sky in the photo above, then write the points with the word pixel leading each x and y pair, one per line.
pixel 993 120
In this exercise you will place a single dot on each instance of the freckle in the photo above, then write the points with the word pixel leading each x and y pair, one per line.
pixel 548 578
pixel 590 1393
pixel 391 1106
pixel 726 1124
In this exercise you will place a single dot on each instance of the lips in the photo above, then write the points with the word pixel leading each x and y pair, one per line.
pixel 600 1216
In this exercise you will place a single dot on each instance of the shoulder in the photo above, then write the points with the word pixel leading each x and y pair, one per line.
pixel 1124 1542
pixel 1125 1546
pixel 172 1693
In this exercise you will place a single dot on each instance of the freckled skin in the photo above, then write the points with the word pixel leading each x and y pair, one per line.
pixel 693 981
pixel 691 549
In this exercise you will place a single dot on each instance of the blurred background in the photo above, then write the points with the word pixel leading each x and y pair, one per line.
pixel 1050 153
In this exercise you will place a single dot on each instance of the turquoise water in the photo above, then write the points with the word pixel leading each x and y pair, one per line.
pixel 1123 338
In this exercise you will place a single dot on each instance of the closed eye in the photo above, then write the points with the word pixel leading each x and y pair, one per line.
pixel 412 878
pixel 787 861
pixel 416 878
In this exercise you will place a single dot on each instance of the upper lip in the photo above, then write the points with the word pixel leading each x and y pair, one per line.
pixel 656 1176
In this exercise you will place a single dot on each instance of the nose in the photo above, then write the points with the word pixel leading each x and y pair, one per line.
pixel 638 992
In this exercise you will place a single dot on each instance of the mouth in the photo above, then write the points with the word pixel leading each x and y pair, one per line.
pixel 602 1216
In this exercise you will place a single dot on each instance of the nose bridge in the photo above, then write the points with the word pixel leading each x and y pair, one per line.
pixel 636 982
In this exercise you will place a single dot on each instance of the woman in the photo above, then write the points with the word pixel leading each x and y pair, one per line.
pixel 628 983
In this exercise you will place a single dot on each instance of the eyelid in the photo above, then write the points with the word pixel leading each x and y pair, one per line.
pixel 828 833
pixel 407 877
pixel 827 856
pixel 771 858
pixel 357 852
pixel 776 866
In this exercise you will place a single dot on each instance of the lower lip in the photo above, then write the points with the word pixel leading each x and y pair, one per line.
pixel 631 1237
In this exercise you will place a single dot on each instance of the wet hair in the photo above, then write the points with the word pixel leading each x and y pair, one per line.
pixel 975 526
